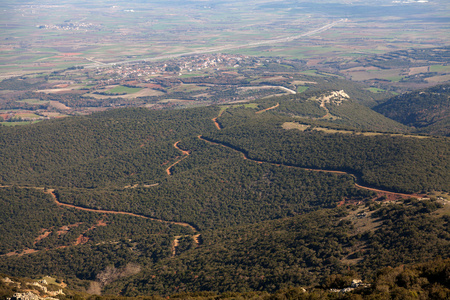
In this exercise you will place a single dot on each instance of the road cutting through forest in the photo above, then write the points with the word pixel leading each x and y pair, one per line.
pixel 55 198
pixel 378 191
pixel 269 108
pixel 218 126
pixel 322 104
pixel 185 153
pixel 196 237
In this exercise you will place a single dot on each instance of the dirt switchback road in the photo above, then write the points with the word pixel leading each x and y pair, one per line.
pixel 185 153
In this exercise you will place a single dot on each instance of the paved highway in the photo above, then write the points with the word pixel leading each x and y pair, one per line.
pixel 222 48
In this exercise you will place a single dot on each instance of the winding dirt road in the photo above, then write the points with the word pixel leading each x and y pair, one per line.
pixel 185 153
pixel 195 237
pixel 55 198
pixel 217 123
pixel 269 108
pixel 400 195
pixel 218 126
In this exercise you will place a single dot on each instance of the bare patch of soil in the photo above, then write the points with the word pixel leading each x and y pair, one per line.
pixel 42 236
pixel 58 105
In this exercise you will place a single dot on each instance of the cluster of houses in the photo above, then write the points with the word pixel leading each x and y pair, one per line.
pixel 180 66
pixel 70 26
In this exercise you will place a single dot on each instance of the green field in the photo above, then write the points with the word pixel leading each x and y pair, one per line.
pixel 439 68
pixel 123 90
pixel 375 90
pixel 28 115
pixel 394 78
pixel 312 73
pixel 19 123
pixel 302 89
pixel 188 75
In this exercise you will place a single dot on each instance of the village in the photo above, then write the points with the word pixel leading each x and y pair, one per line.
pixel 118 85
pixel 179 66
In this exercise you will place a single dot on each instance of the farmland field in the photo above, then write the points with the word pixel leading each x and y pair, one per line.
pixel 122 90
pixel 134 31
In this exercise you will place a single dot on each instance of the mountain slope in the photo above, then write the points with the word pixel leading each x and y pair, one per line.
pixel 335 106
pixel 428 110
pixel 220 199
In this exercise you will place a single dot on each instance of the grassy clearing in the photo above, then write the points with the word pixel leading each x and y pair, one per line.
pixel 439 68
pixel 362 220
pixel 185 88
pixel 375 90
pixel 193 75
pixel 302 89
pixel 312 73
pixel 438 79
pixel 394 78
pixel 440 194
pixel 293 125
pixel 27 115
pixel 19 123
pixel 391 75
pixel 332 131
pixel 33 101
pixel 251 105
pixel 246 105
pixel 123 90
pixel 328 130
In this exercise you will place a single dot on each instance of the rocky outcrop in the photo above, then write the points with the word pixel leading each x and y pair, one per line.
pixel 29 296
pixel 37 290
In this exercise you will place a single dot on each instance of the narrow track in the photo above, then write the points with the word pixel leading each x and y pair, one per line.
pixel 401 195
pixel 185 153
pixel 55 198
pixel 195 237
pixel 217 123
pixel 269 108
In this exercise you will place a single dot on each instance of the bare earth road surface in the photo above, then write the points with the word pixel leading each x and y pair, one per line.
pixel 195 237
pixel 394 194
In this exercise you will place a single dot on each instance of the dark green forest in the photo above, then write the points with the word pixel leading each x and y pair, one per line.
pixel 403 164
pixel 427 110
pixel 260 212
pixel 309 250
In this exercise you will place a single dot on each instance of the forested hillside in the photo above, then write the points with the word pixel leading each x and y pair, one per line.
pixel 427 280
pixel 428 110
pixel 348 112
pixel 306 250
pixel 236 198
pixel 103 149
pixel 406 164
